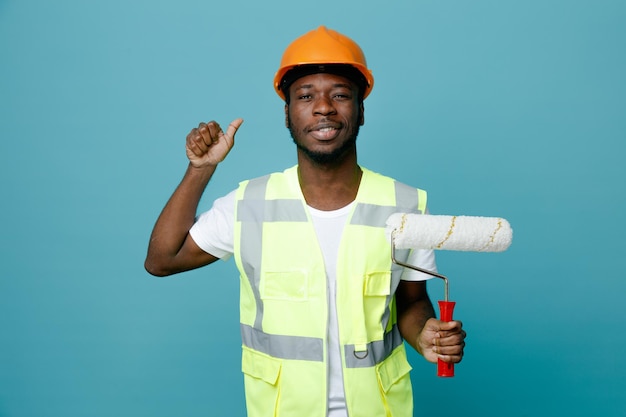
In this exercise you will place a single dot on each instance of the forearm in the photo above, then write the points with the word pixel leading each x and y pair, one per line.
pixel 412 319
pixel 172 226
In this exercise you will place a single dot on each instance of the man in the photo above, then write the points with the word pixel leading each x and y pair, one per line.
pixel 323 310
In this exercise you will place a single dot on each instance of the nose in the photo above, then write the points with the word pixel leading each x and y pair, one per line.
pixel 323 105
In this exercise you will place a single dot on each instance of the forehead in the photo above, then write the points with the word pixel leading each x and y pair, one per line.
pixel 322 80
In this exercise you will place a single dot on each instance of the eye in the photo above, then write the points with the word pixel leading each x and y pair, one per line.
pixel 343 95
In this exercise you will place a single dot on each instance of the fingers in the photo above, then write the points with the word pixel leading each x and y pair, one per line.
pixel 449 348
pixel 210 132
pixel 199 139
pixel 196 143
pixel 449 334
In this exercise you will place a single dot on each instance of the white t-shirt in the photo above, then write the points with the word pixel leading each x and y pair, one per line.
pixel 213 232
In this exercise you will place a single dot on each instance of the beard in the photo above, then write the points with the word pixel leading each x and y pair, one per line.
pixel 320 157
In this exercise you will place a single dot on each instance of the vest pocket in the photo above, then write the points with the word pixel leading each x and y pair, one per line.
pixel 377 283
pixel 262 382
pixel 285 285
pixel 395 383
pixel 376 291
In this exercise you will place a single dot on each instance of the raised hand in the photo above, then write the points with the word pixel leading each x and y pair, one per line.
pixel 208 145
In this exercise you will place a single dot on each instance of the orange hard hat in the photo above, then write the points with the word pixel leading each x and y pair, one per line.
pixel 323 46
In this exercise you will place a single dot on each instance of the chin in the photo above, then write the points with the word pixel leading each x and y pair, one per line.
pixel 327 157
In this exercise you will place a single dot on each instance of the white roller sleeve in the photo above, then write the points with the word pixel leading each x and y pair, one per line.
pixel 460 233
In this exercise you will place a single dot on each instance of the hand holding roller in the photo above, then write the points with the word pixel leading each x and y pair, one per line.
pixel 460 233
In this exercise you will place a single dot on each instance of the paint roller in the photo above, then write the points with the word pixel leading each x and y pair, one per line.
pixel 457 233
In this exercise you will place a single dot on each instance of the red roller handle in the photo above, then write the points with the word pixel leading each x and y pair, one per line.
pixel 445 369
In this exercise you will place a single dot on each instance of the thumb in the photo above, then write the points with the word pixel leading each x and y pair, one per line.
pixel 233 127
pixel 434 324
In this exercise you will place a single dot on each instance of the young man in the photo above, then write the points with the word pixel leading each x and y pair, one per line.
pixel 323 310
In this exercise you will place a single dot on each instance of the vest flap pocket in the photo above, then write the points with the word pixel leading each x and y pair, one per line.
pixel 260 366
pixel 284 285
pixel 392 369
pixel 377 283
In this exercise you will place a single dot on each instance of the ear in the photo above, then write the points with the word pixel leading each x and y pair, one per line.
pixel 361 114
pixel 287 116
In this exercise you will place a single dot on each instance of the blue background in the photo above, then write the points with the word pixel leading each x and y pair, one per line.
pixel 497 108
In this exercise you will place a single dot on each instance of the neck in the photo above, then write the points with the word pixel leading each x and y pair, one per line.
pixel 329 187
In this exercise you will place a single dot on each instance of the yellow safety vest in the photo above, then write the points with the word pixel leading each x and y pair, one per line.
pixel 284 305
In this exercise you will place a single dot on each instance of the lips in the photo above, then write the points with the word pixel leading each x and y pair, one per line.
pixel 325 131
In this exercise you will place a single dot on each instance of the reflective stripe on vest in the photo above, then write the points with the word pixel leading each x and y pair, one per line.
pixel 254 210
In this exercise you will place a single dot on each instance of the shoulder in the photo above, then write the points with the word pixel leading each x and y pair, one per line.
pixel 390 191
pixel 376 176
pixel 255 188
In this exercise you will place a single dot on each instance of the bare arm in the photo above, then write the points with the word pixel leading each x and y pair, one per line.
pixel 171 248
pixel 432 338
